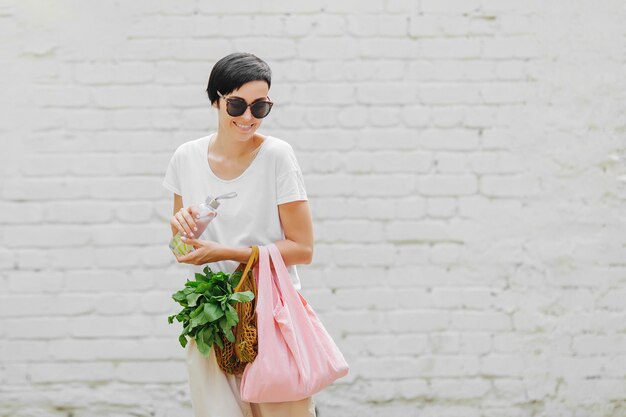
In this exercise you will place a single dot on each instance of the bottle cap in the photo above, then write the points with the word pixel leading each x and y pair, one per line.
pixel 214 203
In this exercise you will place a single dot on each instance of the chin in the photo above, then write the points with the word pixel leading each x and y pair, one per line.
pixel 245 135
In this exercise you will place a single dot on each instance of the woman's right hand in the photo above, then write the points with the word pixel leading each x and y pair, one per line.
pixel 183 221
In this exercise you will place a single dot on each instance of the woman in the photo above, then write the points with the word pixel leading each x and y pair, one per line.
pixel 271 206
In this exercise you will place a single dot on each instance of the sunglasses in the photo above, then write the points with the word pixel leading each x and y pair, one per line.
pixel 236 106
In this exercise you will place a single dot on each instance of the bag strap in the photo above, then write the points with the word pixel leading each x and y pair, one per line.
pixel 265 290
pixel 283 279
pixel 254 257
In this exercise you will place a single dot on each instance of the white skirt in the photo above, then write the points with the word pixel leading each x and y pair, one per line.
pixel 216 394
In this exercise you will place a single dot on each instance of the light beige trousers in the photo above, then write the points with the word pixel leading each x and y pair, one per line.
pixel 216 394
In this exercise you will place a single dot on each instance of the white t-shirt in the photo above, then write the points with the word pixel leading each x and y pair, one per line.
pixel 274 177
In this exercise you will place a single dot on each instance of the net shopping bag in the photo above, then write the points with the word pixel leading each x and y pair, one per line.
pixel 234 356
pixel 296 356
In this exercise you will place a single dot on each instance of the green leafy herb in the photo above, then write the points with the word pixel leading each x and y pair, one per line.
pixel 208 314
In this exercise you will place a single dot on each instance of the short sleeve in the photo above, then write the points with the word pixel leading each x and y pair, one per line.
pixel 172 174
pixel 289 180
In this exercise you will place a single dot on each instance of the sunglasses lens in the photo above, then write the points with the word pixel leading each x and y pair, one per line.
pixel 236 107
pixel 261 109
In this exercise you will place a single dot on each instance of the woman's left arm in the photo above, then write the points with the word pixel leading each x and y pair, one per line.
pixel 296 248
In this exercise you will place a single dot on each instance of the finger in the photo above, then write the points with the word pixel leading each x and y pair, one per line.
pixel 176 224
pixel 185 258
pixel 190 221
pixel 193 211
pixel 193 242
pixel 188 259
pixel 182 225
pixel 181 258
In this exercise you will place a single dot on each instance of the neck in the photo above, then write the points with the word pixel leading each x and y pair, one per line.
pixel 231 147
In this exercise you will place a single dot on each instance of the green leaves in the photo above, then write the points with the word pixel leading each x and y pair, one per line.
pixel 204 341
pixel 235 278
pixel 192 299
pixel 231 316
pixel 213 311
pixel 208 314
pixel 242 297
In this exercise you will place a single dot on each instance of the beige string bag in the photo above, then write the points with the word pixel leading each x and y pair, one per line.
pixel 234 357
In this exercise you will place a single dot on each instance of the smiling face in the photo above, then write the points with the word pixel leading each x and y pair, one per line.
pixel 242 127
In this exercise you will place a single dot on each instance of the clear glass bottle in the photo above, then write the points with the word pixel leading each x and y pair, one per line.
pixel 205 213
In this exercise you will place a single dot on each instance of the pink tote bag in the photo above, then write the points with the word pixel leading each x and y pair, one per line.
pixel 297 357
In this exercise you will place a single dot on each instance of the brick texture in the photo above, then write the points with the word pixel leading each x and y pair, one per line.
pixel 466 166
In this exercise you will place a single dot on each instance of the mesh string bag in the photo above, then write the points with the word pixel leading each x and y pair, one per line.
pixel 234 357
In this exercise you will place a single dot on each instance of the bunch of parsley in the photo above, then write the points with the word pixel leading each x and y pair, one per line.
pixel 208 313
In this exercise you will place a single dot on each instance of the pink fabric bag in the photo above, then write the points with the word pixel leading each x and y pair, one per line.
pixel 297 357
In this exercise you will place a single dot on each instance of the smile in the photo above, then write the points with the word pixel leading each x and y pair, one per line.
pixel 242 126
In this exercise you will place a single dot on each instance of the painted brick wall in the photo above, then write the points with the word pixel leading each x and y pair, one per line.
pixel 465 166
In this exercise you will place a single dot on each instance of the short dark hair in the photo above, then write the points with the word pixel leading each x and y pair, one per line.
pixel 235 70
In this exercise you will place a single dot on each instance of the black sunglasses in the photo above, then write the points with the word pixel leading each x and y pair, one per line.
pixel 236 106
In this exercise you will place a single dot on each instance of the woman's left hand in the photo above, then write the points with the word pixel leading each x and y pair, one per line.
pixel 205 252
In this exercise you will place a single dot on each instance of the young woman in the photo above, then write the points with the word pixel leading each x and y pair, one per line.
pixel 271 207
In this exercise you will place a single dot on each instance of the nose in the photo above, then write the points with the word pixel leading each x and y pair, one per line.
pixel 247 115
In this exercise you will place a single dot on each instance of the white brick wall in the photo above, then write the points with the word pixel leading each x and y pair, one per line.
pixel 465 162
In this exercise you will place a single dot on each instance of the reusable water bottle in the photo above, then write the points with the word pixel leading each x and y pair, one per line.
pixel 205 213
